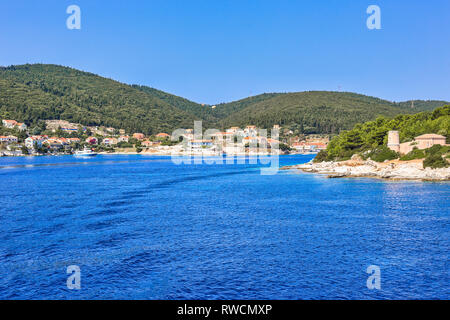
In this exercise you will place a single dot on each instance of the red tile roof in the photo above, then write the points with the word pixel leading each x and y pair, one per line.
pixel 430 136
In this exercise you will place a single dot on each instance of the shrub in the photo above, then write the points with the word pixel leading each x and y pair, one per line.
pixel 124 144
pixel 414 154
pixel 321 156
pixel 435 161
pixel 437 149
pixel 284 147
pixel 382 153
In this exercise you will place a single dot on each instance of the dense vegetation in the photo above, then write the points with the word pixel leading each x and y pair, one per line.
pixel 32 92
pixel 29 93
pixel 316 111
pixel 421 105
pixel 436 157
pixel 370 139
pixel 201 112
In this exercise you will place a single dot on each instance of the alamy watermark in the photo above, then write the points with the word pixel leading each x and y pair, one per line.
pixel 250 145
pixel 374 280
pixel 74 279
pixel 73 22
pixel 374 20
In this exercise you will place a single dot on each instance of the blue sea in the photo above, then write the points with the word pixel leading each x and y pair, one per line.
pixel 142 227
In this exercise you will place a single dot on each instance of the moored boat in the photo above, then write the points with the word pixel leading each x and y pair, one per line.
pixel 86 152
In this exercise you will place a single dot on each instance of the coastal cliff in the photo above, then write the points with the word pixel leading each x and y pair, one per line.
pixel 393 170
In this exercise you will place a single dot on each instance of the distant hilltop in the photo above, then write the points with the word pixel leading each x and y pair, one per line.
pixel 32 92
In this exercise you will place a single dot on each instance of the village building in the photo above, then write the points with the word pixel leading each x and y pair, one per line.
pixel 196 144
pixel 73 140
pixel 30 142
pixel 124 138
pixel 251 131
pixel 10 124
pixel 188 136
pixel 310 146
pixel 139 136
pixel 222 136
pixel 62 141
pixel 13 124
pixel 163 135
pixel 147 143
pixel 64 125
pixel 260 142
pixel 54 143
pixel 273 142
pixel 252 141
pixel 69 129
pixel 109 141
pixel 424 141
pixel 234 130
pixel 8 139
pixel 92 140
pixel 21 126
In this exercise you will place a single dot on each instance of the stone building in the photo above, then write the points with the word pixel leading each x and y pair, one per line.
pixel 424 141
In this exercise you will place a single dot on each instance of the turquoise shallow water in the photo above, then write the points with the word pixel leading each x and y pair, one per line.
pixel 144 228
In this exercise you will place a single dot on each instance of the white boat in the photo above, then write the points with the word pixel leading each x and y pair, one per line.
pixel 85 153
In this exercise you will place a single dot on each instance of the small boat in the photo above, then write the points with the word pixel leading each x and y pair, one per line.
pixel 85 153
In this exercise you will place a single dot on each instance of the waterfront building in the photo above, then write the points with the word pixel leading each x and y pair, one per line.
pixel 234 129
pixel 424 141
pixel 195 144
pixel 251 131
pixel 30 142
pixel 311 146
pixel 147 143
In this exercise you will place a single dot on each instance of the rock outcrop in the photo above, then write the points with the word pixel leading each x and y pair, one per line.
pixel 394 170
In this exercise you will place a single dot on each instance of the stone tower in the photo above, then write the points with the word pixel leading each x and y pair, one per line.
pixel 394 141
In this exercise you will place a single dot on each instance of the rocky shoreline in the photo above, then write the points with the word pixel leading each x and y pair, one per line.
pixel 392 170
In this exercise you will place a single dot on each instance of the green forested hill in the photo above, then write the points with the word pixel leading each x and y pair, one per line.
pixel 34 92
pixel 421 105
pixel 201 112
pixel 319 111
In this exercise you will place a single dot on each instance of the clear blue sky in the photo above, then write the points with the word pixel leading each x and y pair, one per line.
pixel 212 51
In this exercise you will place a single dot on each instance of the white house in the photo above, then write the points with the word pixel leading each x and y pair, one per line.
pixel 196 144
pixel 21 126
pixel 109 141
pixel 251 131
pixel 12 139
pixel 30 142
pixel 10 124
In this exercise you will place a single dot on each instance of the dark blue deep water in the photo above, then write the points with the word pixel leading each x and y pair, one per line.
pixel 144 228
